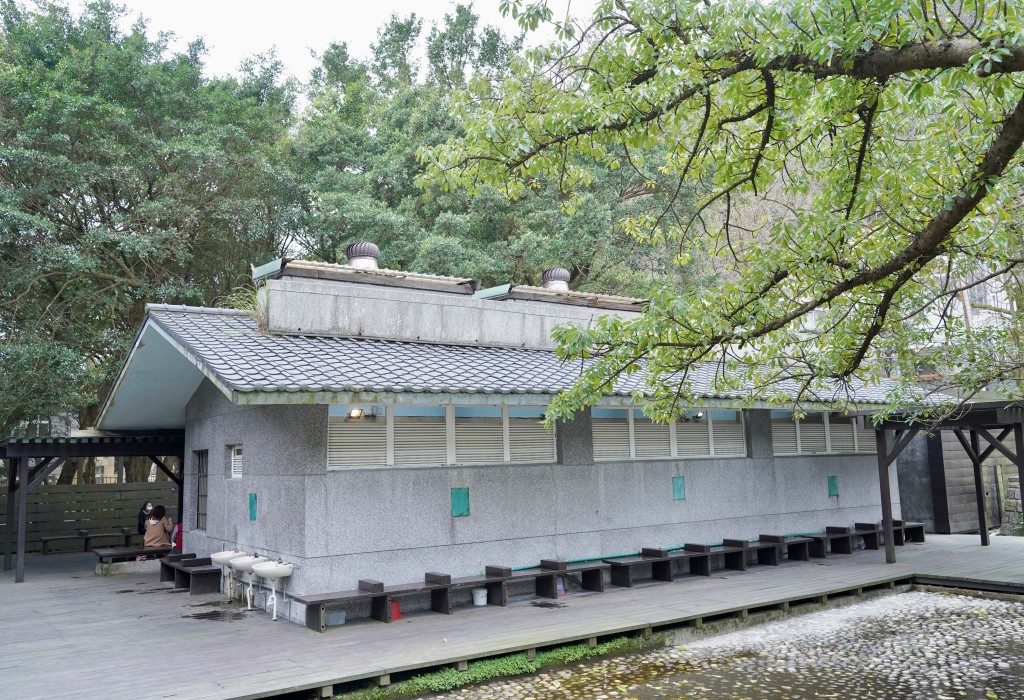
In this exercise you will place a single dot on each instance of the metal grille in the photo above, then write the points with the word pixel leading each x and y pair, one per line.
pixel 201 458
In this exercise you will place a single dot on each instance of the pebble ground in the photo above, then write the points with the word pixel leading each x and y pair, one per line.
pixel 926 646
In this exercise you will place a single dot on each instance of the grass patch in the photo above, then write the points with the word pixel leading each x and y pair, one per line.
pixel 486 670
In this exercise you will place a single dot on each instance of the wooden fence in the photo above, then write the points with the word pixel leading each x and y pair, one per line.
pixel 61 510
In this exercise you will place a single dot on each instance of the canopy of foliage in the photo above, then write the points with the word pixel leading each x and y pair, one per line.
pixel 856 167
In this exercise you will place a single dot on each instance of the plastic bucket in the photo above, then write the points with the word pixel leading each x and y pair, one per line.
pixel 479 596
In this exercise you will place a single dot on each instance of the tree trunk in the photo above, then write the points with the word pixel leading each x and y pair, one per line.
pixel 67 472
pixel 137 469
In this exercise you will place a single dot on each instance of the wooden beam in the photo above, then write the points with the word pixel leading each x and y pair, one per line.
pixel 98 447
pixel 36 469
pixel 883 485
pixel 163 467
pixel 987 452
pixel 48 468
pixel 997 444
pixel 901 443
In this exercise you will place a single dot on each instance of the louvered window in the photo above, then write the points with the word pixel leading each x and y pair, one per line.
pixel 651 440
pixel 479 435
pixel 817 433
pixel 236 461
pixel 528 439
pixel 840 433
pixel 727 434
pixel 812 434
pixel 610 433
pixel 693 439
pixel 784 433
pixel 866 441
pixel 421 436
pixel 356 437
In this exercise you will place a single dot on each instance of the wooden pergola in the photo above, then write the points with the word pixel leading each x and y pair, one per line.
pixel 991 422
pixel 50 453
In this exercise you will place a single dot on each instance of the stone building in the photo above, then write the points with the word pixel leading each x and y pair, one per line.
pixel 369 423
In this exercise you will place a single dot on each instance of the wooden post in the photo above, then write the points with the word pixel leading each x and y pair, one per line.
pixel 883 484
pixel 19 566
pixel 12 481
pixel 1018 442
pixel 971 449
pixel 979 490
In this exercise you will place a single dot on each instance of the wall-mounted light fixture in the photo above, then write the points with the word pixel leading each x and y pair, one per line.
pixel 355 413
pixel 700 414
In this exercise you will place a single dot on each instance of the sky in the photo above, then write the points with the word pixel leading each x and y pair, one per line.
pixel 233 29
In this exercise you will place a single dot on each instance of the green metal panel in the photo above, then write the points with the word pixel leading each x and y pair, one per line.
pixel 252 506
pixel 833 486
pixel 499 292
pixel 266 270
pixel 460 502
pixel 678 488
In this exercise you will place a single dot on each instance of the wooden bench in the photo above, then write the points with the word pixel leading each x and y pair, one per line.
pixel 734 554
pixel 441 587
pixel 109 555
pixel 87 536
pixel 871 534
pixel 769 548
pixel 835 540
pixel 660 561
pixel 902 532
pixel 198 575
pixel 697 556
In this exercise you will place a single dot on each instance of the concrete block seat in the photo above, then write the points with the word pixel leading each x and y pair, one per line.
pixel 108 555
pixel 87 536
pixel 198 575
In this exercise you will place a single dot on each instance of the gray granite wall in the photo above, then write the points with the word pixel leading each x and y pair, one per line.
pixel 394 524
pixel 280 445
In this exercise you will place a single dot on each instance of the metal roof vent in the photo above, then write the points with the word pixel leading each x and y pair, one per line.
pixel 556 279
pixel 363 255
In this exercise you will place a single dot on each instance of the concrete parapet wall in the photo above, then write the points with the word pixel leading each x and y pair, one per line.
pixel 321 307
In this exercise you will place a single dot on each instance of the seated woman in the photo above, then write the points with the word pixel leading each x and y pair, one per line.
pixel 158 528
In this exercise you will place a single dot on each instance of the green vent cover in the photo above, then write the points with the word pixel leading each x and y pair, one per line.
pixel 678 488
pixel 460 502
pixel 833 486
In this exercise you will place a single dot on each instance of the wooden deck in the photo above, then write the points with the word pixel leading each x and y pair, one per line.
pixel 68 633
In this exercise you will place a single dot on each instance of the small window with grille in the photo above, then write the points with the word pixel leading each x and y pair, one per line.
pixel 201 460
pixel 236 461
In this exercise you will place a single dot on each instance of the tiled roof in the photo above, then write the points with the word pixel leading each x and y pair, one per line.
pixel 227 344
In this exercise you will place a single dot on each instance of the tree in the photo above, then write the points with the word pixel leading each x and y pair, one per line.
pixel 885 136
pixel 357 148
pixel 126 177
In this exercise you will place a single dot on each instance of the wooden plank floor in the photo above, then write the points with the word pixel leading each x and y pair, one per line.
pixel 67 633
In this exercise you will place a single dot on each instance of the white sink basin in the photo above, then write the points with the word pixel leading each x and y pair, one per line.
pixel 244 564
pixel 272 570
pixel 227 555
